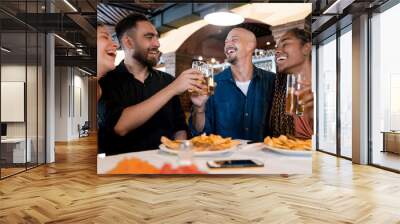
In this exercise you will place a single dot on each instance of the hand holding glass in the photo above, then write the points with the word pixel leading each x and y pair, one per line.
pixel 208 80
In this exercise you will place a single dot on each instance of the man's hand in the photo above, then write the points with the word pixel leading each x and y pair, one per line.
pixel 199 101
pixel 187 80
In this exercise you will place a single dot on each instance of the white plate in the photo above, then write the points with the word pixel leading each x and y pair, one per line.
pixel 289 152
pixel 203 153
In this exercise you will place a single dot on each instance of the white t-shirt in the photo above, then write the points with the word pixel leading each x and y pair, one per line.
pixel 243 86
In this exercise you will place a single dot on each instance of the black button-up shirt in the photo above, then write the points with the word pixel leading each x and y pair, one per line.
pixel 120 90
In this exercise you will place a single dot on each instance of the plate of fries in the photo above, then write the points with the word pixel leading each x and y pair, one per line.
pixel 286 145
pixel 203 145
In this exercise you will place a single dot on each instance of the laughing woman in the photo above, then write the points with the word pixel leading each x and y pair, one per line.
pixel 293 56
pixel 106 51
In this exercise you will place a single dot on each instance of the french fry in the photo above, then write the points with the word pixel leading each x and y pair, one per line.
pixel 283 138
pixel 204 143
pixel 283 142
pixel 169 143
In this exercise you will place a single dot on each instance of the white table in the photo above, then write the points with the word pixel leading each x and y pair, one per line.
pixel 18 149
pixel 275 163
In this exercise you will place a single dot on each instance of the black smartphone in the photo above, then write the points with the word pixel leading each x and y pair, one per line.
pixel 235 163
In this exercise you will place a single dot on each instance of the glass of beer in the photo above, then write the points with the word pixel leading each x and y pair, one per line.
pixel 208 73
pixel 291 99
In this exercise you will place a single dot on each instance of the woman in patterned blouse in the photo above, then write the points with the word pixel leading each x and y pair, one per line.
pixel 293 56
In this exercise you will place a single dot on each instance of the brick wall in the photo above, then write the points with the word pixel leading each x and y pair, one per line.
pixel 169 60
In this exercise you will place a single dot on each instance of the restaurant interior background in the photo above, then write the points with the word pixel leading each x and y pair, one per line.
pixel 354 60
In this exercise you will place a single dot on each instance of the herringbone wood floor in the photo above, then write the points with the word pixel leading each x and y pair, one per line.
pixel 69 191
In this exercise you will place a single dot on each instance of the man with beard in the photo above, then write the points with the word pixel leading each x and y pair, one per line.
pixel 243 95
pixel 140 103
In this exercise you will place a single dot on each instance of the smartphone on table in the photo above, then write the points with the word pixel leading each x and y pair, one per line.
pixel 240 163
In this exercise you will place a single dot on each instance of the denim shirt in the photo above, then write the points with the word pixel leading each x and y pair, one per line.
pixel 230 113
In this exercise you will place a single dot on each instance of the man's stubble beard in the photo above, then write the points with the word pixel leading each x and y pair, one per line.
pixel 232 60
pixel 140 56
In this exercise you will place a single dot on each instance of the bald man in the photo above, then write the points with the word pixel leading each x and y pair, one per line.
pixel 243 96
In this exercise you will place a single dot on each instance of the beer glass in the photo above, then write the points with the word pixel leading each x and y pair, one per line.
pixel 291 99
pixel 208 73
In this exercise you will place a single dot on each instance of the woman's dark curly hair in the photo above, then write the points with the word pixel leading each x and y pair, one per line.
pixel 301 34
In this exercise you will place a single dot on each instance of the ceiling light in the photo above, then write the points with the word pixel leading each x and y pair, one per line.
pixel 213 60
pixel 268 43
pixel 70 5
pixel 200 58
pixel 5 50
pixel 224 18
pixel 64 40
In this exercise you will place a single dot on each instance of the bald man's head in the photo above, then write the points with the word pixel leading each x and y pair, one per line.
pixel 239 44
pixel 247 35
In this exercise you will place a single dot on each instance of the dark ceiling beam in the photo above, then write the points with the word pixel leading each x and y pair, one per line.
pixel 64 51
pixel 130 7
pixel 162 9
pixel 14 17
pixel 89 70
pixel 62 6
pixel 105 19
pixel 84 61
pixel 118 12
pixel 49 22
pixel 86 26
pixel 321 20
pixel 77 18
pixel 91 5
pixel 320 23
pixel 337 7
pixel 93 14
pixel 106 15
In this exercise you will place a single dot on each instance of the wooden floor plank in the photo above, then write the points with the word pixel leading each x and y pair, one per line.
pixel 69 191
